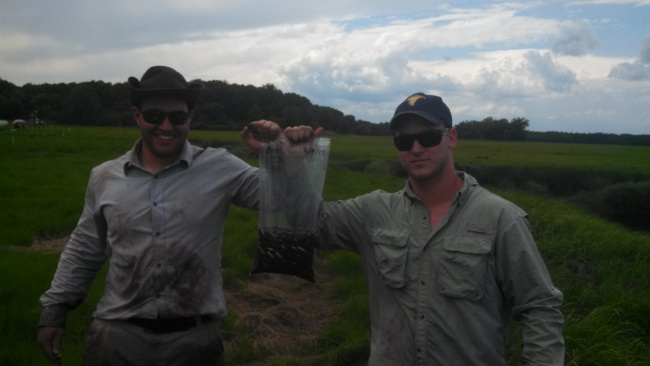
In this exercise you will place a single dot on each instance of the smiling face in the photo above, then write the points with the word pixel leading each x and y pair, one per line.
pixel 426 164
pixel 161 143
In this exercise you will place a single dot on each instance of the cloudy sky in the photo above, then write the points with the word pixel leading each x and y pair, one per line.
pixel 575 66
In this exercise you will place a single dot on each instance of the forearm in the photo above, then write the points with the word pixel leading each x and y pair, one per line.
pixel 541 333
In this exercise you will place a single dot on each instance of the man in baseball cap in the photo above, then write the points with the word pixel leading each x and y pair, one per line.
pixel 447 262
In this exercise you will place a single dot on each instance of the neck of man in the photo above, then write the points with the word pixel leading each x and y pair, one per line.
pixel 439 191
pixel 153 163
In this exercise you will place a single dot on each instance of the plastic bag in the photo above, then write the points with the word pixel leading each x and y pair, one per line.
pixel 292 177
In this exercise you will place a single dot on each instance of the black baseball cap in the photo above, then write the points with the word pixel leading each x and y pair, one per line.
pixel 429 107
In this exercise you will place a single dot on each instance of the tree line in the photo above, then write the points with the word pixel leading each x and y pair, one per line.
pixel 494 129
pixel 226 106
pixel 223 106
pixel 517 130
pixel 589 138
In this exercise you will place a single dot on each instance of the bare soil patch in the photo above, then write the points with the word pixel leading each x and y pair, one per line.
pixel 43 245
pixel 285 314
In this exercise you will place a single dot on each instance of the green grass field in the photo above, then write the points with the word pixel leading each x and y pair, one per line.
pixel 601 267
pixel 627 159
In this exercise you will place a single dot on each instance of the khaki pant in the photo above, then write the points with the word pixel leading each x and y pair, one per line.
pixel 118 343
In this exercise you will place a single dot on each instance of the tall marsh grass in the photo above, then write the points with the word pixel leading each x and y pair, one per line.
pixel 603 271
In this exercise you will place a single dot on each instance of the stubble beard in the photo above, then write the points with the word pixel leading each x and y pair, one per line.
pixel 437 171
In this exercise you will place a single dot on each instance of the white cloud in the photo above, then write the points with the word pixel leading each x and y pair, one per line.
pixel 631 71
pixel 589 67
pixel 603 105
pixel 576 39
pixel 638 69
pixel 516 73
pixel 645 49
pixel 532 74
pixel 377 59
pixel 15 45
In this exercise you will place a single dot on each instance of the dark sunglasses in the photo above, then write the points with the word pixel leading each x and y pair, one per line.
pixel 157 117
pixel 426 138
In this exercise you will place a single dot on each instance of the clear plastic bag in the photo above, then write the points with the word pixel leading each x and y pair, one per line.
pixel 292 179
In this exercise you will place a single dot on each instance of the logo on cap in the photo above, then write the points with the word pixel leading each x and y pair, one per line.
pixel 414 99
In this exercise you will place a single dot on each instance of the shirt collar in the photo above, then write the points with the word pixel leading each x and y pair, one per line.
pixel 468 183
pixel 185 158
pixel 408 191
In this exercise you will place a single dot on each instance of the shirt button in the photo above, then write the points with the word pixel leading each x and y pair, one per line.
pixel 157 234
pixel 155 204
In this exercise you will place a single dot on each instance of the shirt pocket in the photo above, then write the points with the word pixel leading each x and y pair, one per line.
pixel 463 267
pixel 391 252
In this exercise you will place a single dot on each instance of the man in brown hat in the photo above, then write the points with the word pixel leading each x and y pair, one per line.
pixel 157 215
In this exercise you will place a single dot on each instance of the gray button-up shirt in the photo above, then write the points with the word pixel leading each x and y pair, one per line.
pixel 162 235
pixel 443 295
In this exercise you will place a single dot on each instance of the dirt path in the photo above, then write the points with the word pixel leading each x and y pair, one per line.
pixel 47 246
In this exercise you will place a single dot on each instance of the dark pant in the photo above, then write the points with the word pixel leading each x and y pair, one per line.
pixel 118 343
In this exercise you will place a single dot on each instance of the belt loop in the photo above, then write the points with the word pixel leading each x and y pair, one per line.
pixel 198 320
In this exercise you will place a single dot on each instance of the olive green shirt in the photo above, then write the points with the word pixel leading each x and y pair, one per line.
pixel 444 295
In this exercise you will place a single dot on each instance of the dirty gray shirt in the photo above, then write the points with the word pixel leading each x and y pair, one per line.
pixel 161 233
pixel 443 295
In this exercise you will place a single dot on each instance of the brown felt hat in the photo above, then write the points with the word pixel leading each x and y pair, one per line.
pixel 163 81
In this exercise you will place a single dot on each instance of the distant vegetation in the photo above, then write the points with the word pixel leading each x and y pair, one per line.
pixel 225 106
pixel 589 138
pixel 517 130
pixel 493 129
pixel 222 106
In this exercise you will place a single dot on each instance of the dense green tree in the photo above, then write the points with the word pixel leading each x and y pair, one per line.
pixel 83 106
pixel 519 128
pixel 492 129
pixel 11 108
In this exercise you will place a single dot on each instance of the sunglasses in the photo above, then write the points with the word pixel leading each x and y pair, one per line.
pixel 426 138
pixel 157 117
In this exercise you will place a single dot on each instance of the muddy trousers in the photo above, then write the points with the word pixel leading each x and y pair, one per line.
pixel 119 343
